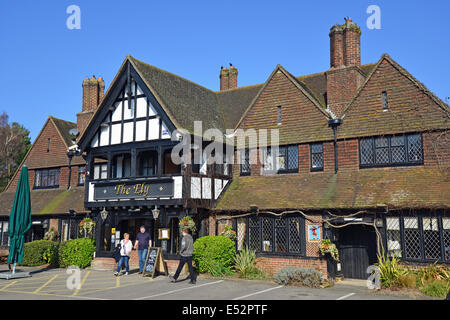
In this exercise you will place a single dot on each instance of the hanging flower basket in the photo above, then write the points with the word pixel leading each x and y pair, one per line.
pixel 327 247
pixel 229 233
pixel 86 226
pixel 52 234
pixel 187 223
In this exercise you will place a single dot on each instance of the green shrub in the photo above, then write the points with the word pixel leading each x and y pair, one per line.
pixel 214 254
pixel 40 252
pixel 438 288
pixel 390 271
pixel 307 277
pixel 244 262
pixel 78 252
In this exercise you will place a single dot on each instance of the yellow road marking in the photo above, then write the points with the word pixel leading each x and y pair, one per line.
pixel 117 282
pixel 8 285
pixel 45 284
pixel 82 282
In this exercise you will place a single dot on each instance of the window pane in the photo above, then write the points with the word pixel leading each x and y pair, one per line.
pixel 280 235
pixel 366 151
pixel 267 234
pixel 245 161
pixel 381 150
pixel 446 234
pixel 241 230
pixel 412 238
pixel 431 238
pixel 268 159
pixel 393 236
pixel 281 159
pixel 295 235
pixel 415 148
pixel 292 157
pixel 254 234
pixel 5 237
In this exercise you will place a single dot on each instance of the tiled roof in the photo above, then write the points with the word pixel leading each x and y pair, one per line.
pixel 48 201
pixel 64 127
pixel 416 187
pixel 187 101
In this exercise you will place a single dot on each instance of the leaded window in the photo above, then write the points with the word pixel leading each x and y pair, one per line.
pixel 254 231
pixel 81 175
pixel 316 156
pixel 46 178
pixel 431 238
pixel 412 238
pixel 245 162
pixel 391 150
pixel 282 159
pixel 280 235
pixel 295 235
pixel 101 171
pixel 241 232
pixel 269 234
pixel 393 237
pixel 446 237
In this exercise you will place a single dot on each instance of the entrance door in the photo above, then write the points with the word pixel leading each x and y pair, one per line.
pixel 357 250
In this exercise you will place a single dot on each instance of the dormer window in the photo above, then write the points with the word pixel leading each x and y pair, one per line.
pixel 384 99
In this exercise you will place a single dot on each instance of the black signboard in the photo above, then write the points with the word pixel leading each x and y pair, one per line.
pixel 154 262
pixel 134 189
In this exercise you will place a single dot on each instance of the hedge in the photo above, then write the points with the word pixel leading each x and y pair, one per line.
pixel 214 254
pixel 78 252
pixel 40 252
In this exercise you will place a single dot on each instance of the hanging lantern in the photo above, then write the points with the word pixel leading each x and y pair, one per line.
pixel 155 213
pixel 104 214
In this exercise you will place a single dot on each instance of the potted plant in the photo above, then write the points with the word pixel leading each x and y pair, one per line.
pixel 51 234
pixel 187 223
pixel 86 226
pixel 326 246
pixel 229 233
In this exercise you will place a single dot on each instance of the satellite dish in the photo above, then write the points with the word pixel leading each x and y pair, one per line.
pixel 73 132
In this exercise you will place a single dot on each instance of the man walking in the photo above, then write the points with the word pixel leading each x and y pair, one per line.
pixel 143 242
pixel 186 250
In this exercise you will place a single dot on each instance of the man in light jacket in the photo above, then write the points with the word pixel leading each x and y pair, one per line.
pixel 186 250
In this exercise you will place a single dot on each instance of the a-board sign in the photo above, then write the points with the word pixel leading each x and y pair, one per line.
pixel 154 263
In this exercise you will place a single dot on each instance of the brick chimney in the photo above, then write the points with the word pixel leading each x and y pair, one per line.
pixel 93 92
pixel 228 78
pixel 344 76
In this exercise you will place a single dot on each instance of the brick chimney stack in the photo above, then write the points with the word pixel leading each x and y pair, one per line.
pixel 344 77
pixel 93 92
pixel 228 78
pixel 345 45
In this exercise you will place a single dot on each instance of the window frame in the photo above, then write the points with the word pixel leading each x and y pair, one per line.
pixel 40 177
pixel 317 169
pixel 284 149
pixel 389 147
pixel 245 156
pixel 260 251
pixel 81 171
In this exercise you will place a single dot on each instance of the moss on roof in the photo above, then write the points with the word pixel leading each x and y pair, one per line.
pixel 416 187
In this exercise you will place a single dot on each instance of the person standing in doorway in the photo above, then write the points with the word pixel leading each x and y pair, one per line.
pixel 143 242
pixel 125 252
pixel 186 250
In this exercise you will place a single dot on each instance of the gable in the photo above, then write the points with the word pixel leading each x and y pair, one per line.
pixel 302 121
pixel 411 107
pixel 129 113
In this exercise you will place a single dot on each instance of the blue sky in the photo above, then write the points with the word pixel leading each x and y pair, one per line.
pixel 43 63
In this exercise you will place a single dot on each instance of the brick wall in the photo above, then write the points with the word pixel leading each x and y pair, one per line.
pixel 38 157
pixel 272 264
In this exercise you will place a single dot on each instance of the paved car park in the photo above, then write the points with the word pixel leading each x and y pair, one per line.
pixel 103 285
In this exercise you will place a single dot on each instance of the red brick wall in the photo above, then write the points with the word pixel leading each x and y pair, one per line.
pixel 272 264
pixel 342 85
pixel 39 158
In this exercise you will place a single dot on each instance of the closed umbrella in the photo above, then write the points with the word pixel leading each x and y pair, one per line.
pixel 19 219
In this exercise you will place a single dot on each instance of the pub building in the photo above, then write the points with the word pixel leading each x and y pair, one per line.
pixel 363 161
pixel 131 179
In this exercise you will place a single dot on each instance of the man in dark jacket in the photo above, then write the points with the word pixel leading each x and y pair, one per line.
pixel 186 250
